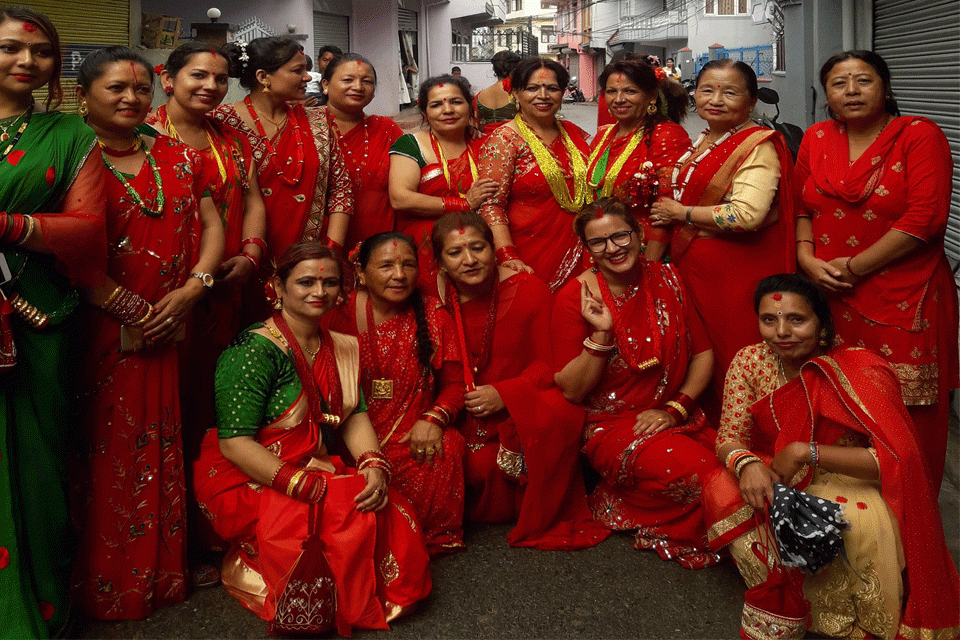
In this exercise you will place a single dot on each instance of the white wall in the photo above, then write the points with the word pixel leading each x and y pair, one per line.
pixel 374 34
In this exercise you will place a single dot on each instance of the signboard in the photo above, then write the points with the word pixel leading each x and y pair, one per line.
pixel 73 55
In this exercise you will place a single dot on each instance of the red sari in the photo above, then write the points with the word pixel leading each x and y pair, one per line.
pixel 366 150
pixel 733 261
pixel 132 551
pixel 650 483
pixel 854 391
pixel 378 562
pixel 906 311
pixel 523 463
pixel 541 230
pixel 390 353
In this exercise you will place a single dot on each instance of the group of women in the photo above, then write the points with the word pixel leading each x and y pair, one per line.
pixel 507 312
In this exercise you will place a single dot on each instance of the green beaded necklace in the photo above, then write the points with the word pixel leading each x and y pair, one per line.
pixel 153 213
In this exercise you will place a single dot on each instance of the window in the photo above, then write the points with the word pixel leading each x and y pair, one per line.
pixel 726 7
pixel 514 5
pixel 547 34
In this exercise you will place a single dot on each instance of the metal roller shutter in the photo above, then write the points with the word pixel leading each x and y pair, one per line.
pixel 329 28
pixel 921 43
pixel 406 20
pixel 83 25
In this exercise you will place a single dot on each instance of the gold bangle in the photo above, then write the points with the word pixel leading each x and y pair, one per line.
pixel 294 481
pixel 112 297
pixel 679 407
pixel 726 461
pixel 28 232
pixel 145 319
pixel 738 470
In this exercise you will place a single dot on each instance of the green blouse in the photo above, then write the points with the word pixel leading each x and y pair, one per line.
pixel 407 145
pixel 256 382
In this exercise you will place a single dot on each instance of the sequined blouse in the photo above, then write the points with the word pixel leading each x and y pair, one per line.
pixel 751 376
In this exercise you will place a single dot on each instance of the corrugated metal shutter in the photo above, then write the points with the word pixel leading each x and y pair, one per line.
pixel 75 23
pixel 921 43
pixel 329 28
pixel 406 19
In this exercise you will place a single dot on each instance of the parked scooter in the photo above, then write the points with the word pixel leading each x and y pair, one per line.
pixel 791 132
pixel 690 86
pixel 574 94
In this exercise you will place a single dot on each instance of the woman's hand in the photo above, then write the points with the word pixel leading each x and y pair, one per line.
pixel 479 191
pixel 517 265
pixel 653 421
pixel 374 495
pixel 756 485
pixel 426 441
pixel 483 401
pixel 665 212
pixel 236 271
pixel 791 459
pixel 846 276
pixel 171 311
pixel 825 274
pixel 594 310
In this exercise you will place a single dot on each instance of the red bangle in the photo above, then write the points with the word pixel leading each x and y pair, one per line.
pixel 333 244
pixel 507 253
pixel 14 228
pixel 685 401
pixel 673 413
pixel 849 270
pixel 257 241
pixel 281 479
pixel 455 204
pixel 429 417
pixel 249 256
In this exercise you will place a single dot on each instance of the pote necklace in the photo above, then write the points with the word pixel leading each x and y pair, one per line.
pixel 358 169
pixel 446 168
pixel 271 150
pixel 597 173
pixel 16 137
pixel 551 168
pixel 213 147
pixel 681 186
pixel 137 198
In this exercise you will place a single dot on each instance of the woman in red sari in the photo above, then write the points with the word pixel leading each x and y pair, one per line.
pixel 523 437
pixel 413 381
pixel 875 191
pixel 165 240
pixel 539 165
pixel 424 184
pixel 730 217
pixel 630 158
pixel 828 421
pixel 349 82
pixel 285 389
pixel 629 346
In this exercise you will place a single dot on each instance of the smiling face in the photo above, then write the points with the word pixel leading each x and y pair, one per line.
pixel 620 249
pixel 311 289
pixel 447 109
pixel 27 58
pixel 351 87
pixel 289 82
pixel 855 91
pixel 789 326
pixel 467 257
pixel 391 273
pixel 723 99
pixel 541 96
pixel 201 84
pixel 625 100
pixel 120 98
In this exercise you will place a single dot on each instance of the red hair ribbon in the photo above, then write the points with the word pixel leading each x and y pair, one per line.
pixel 157 69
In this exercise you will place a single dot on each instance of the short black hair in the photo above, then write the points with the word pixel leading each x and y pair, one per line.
pixel 329 48
pixel 749 75
pixel 805 288
pixel 873 59
pixel 93 65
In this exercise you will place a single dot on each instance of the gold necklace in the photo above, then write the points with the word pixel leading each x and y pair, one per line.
pixel 551 168
pixel 216 154
pixel 276 334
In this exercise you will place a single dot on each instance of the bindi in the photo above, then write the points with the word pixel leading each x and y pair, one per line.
pixel 395 243
pixel 29 27
pixel 619 77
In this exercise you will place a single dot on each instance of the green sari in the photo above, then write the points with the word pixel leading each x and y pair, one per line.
pixel 36 397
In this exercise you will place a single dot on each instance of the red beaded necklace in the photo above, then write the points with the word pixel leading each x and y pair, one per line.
pixel 486 339
pixel 271 150
pixel 359 170
pixel 628 345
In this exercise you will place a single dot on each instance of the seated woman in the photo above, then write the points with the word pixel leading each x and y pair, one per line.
pixel 629 346
pixel 830 421
pixel 523 437
pixel 411 373
pixel 284 387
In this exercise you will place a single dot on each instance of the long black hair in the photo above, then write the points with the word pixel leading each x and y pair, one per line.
pixel 42 22
pixel 180 57
pixel 424 341
pixel 94 65
pixel 645 77
pixel 268 54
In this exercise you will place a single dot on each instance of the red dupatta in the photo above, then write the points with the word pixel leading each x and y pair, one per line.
pixel 853 388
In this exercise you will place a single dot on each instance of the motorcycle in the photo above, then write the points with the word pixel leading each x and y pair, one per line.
pixel 690 86
pixel 574 94
pixel 792 133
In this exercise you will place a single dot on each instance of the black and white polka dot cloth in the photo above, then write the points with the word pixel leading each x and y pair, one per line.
pixel 807 528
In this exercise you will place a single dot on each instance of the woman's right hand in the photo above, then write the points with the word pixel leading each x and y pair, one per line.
pixel 756 485
pixel 517 265
pixel 479 191
pixel 594 310
pixel 823 274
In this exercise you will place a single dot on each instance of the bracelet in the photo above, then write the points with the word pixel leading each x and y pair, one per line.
pixel 507 253
pixel 726 461
pixel 143 320
pixel 281 479
pixel 111 297
pixel 596 346
pixel 849 270
pixel 743 462
pixel 814 455
pixel 685 401
pixel 733 460
pixel 455 205
pixel 12 228
pixel 596 352
pixel 333 244
pixel 810 241
pixel 679 408
pixel 257 241
pixel 367 456
pixel 249 256
pixel 128 308
pixel 689 211
pixel 674 413
pixel 27 232
pixel 429 417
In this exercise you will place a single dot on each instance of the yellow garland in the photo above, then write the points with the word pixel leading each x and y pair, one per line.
pixel 610 176
pixel 213 147
pixel 446 168
pixel 551 168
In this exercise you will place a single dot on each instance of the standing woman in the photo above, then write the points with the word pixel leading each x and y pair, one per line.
pixel 875 190
pixel 496 105
pixel 411 376
pixel 349 82
pixel 627 158
pixel 300 167
pixel 434 172
pixel 539 164
pixel 731 215
pixel 165 241
pixel 52 240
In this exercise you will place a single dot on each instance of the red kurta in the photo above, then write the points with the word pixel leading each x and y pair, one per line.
pixel 906 311
pixel 523 462
pixel 541 230
pixel 132 553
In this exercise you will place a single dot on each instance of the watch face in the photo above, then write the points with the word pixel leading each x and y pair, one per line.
pixel 207 280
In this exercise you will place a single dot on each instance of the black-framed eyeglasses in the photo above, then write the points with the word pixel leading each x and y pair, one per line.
pixel 619 239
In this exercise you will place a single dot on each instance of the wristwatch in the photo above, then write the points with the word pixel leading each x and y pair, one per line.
pixel 205 278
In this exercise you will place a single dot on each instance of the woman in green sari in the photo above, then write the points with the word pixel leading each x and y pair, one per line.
pixel 52 238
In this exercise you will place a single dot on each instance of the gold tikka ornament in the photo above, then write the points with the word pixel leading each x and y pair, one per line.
pixel 551 168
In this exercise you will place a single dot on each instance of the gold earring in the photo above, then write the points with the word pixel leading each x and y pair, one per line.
pixel 266 87
pixel 652 108
pixel 82 109
pixel 278 304
pixel 823 338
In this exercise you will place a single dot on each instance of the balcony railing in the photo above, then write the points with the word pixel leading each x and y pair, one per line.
pixel 661 26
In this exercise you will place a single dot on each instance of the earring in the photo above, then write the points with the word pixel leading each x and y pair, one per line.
pixel 82 109
pixel 652 108
pixel 266 87
pixel 168 90
pixel 278 304
pixel 823 338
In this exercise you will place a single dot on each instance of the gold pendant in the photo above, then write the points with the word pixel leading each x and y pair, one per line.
pixel 382 389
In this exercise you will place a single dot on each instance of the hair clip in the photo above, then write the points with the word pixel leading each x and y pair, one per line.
pixel 244 56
